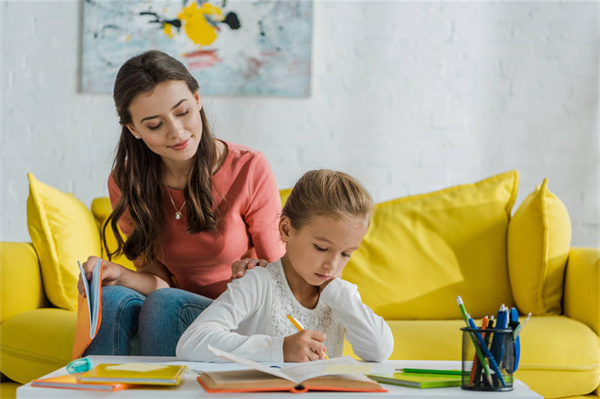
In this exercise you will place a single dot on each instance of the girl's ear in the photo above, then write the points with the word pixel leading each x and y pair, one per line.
pixel 285 228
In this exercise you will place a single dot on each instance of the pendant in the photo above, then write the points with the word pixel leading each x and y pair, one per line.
pixel 177 215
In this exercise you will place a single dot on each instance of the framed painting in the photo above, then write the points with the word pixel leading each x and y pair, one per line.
pixel 244 47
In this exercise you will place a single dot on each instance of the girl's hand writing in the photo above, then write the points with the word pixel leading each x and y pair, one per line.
pixel 239 267
pixel 304 346
pixel 110 273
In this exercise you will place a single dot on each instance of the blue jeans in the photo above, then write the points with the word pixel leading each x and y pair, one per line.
pixel 133 324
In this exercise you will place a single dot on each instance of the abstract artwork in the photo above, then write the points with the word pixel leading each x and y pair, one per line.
pixel 244 47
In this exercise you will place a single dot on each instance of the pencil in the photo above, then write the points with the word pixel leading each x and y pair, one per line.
pixel 299 327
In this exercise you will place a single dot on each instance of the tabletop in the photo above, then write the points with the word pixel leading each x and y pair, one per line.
pixel 190 388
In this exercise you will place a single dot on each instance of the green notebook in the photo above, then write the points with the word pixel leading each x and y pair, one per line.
pixel 418 380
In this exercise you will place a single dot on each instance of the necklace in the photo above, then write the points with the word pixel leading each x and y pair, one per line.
pixel 177 211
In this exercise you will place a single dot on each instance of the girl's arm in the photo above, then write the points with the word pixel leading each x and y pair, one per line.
pixel 369 335
pixel 243 299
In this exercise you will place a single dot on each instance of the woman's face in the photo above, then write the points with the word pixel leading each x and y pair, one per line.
pixel 168 121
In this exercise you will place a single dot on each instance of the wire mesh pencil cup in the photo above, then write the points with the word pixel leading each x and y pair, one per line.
pixel 488 368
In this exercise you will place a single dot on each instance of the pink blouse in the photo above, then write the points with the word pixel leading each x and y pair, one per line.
pixel 247 224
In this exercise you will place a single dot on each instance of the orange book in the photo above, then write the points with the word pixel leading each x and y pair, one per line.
pixel 339 374
pixel 89 310
pixel 70 381
pixel 257 381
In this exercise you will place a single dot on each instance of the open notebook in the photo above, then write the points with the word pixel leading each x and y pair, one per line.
pixel 339 374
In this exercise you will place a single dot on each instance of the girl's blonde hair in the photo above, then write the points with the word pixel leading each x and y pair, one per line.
pixel 326 192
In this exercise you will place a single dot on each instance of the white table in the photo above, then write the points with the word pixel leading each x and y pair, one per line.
pixel 190 388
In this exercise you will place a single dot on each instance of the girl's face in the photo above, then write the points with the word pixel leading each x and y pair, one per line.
pixel 168 121
pixel 319 250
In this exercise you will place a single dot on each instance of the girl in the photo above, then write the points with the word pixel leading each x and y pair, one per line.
pixel 322 223
pixel 189 204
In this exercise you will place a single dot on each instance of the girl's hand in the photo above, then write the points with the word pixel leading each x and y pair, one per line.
pixel 110 273
pixel 239 267
pixel 304 346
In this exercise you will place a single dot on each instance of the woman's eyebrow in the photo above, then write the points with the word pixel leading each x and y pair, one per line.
pixel 172 108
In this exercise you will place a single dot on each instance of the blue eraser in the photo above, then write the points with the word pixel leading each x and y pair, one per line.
pixel 79 365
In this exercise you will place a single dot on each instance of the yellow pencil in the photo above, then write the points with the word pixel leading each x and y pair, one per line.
pixel 299 327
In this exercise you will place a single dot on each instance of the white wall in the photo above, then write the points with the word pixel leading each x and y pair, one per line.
pixel 407 96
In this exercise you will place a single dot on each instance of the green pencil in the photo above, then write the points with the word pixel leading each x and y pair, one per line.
pixel 486 369
pixel 430 371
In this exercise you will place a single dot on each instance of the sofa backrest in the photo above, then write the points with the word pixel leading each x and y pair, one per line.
pixel 422 251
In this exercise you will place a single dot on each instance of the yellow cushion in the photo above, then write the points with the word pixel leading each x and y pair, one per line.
pixel 422 251
pixel 63 231
pixel 284 194
pixel 20 279
pixel 539 239
pixel 36 343
pixel 101 208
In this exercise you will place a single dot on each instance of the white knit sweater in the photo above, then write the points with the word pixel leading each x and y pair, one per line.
pixel 249 320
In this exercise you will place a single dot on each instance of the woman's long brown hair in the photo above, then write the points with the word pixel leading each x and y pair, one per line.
pixel 138 172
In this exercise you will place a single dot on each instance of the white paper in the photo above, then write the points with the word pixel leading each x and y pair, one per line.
pixel 303 371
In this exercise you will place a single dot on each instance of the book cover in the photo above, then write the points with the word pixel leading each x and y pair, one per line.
pixel 418 380
pixel 70 381
pixel 89 310
pixel 135 373
pixel 257 381
pixel 340 374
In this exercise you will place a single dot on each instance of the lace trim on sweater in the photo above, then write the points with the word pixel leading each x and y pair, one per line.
pixel 318 319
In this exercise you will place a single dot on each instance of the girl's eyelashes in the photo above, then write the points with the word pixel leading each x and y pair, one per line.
pixel 184 113
pixel 318 248
pixel 154 127
pixel 347 255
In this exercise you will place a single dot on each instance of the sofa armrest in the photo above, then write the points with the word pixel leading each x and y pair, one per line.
pixel 21 287
pixel 582 287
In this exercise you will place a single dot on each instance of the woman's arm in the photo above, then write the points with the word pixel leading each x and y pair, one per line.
pixel 148 279
pixel 369 335
pixel 264 210
pixel 244 298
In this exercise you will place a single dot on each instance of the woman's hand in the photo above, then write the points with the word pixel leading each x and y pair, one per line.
pixel 304 346
pixel 239 267
pixel 111 272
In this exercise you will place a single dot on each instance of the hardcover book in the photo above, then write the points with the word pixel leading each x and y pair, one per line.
pixel 340 374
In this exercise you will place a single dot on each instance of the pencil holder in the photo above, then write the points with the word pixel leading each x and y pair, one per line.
pixel 488 359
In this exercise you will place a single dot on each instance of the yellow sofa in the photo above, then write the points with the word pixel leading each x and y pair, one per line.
pixel 419 254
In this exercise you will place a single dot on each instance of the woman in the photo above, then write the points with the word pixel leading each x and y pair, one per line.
pixel 189 204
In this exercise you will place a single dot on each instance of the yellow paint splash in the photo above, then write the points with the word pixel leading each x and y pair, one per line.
pixel 195 25
pixel 168 30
